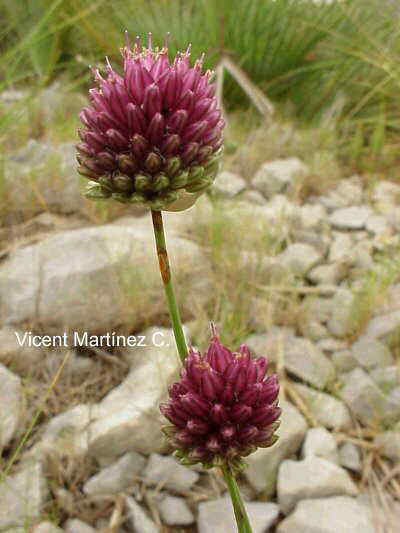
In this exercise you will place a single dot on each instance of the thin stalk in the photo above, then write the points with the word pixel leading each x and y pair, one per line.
pixel 165 270
pixel 242 520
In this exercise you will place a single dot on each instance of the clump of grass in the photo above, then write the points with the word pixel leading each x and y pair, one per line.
pixel 371 295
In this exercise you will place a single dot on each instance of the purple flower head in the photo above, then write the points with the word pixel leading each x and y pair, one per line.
pixel 154 134
pixel 223 408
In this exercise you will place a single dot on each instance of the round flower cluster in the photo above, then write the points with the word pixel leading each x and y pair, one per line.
pixel 223 408
pixel 154 135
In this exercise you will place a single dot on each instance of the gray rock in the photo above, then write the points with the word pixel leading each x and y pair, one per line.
pixel 385 192
pixel 47 527
pixel 10 402
pixel 326 409
pixel 253 197
pixel 312 329
pixel 270 343
pixel 228 184
pixel 167 470
pixel 319 309
pixel 313 477
pixel 362 255
pixel 328 515
pixel 74 525
pixel 320 443
pixel 20 359
pixel 331 274
pixel 303 359
pixel 350 457
pixel 312 216
pixel 389 444
pixel 318 239
pixel 378 225
pixel 22 497
pixel 350 217
pixel 344 361
pixel 387 378
pixel 128 418
pixel 366 400
pixel 138 518
pixel 330 345
pixel 264 463
pixel 86 261
pixel 341 322
pixel 53 170
pixel 300 258
pixel 341 248
pixel 117 477
pixel 175 511
pixel 65 434
pixel 348 192
pixel 217 516
pixel 279 175
pixel 384 327
pixel 371 353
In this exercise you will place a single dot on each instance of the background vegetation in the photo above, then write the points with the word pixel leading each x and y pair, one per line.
pixel 318 61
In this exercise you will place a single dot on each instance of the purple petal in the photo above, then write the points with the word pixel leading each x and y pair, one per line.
pixel 265 416
pixel 251 394
pixel 247 433
pixel 177 120
pixel 136 119
pixel 139 145
pixel 155 130
pixel 227 431
pixel 170 145
pixel 116 140
pixel 152 100
pixel 195 131
pixel 218 414
pixel 240 412
pixel 197 426
pixel 169 413
pixel 201 108
pixel 213 444
pixel 227 397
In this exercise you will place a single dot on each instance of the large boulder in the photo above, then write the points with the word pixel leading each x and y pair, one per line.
pixel 96 279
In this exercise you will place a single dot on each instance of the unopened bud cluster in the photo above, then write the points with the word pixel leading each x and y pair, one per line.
pixel 223 408
pixel 154 134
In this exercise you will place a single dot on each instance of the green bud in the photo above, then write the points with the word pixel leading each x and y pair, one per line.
pixel 195 173
pixel 87 173
pixel 153 162
pixel 143 183
pixel 106 182
pixel 204 153
pixel 122 183
pixel 180 180
pixel 137 198
pixel 211 161
pixel 160 182
pixel 199 185
pixel 156 205
pixel 127 163
pixel 121 197
pixel 170 196
pixel 212 170
pixel 96 192
pixel 172 166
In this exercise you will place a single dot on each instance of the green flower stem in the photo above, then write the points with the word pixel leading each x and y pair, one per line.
pixel 242 520
pixel 159 235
